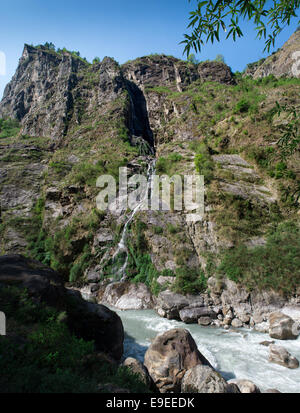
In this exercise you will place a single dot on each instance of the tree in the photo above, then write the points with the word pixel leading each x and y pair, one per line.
pixel 210 16
pixel 192 59
pixel 96 60
pixel 220 58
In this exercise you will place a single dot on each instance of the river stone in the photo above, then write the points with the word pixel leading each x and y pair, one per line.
pixel 191 315
pixel 205 321
pixel 138 368
pixel 282 327
pixel 169 356
pixel 281 356
pixel 236 323
pixel 204 379
pixel 245 386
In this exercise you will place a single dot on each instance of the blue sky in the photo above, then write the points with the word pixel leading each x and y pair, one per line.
pixel 123 29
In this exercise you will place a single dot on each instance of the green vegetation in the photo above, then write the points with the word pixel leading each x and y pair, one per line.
pixel 276 265
pixel 42 356
pixel 9 128
pixel 204 163
pixel 209 17
pixel 189 281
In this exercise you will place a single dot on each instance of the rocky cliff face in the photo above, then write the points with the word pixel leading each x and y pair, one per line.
pixel 79 121
pixel 285 62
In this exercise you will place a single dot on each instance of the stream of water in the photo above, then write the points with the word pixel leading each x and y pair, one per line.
pixel 235 354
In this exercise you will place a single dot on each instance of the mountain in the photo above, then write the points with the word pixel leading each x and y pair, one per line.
pixel 66 122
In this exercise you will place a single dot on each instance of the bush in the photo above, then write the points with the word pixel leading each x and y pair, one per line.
pixel 189 281
pixel 9 128
pixel 272 266
pixel 204 163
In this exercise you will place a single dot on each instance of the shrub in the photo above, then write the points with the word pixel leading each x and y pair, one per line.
pixel 189 281
pixel 272 266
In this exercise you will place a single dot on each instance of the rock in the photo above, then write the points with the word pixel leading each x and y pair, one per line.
pixel 169 356
pixel 236 323
pixel 169 304
pixel 86 320
pixel 127 296
pixel 245 386
pixel 282 327
pixel 205 321
pixel 204 379
pixel 161 280
pixel 272 391
pixel 262 327
pixel 267 343
pixel 281 356
pixel 138 368
pixel 191 315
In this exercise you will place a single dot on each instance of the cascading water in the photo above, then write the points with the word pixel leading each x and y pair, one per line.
pixel 145 198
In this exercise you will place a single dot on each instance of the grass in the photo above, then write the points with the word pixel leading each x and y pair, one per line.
pixel 9 128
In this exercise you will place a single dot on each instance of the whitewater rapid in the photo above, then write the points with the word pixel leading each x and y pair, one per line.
pixel 235 354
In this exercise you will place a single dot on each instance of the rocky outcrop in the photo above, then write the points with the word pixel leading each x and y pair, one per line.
pixel 283 327
pixel 204 379
pixel 279 355
pixel 285 62
pixel 126 296
pixel 86 320
pixel 170 356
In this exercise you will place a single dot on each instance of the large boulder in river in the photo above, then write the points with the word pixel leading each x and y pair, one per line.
pixel 169 356
pixel 126 296
pixel 191 315
pixel 282 327
pixel 281 356
pixel 169 304
pixel 204 379
pixel 86 320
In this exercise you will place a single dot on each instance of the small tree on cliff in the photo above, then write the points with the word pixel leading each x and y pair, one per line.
pixel 210 16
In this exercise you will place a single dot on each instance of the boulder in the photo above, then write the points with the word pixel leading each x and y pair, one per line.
pixel 169 304
pixel 139 369
pixel 236 323
pixel 282 327
pixel 205 321
pixel 86 320
pixel 126 296
pixel 245 386
pixel 204 379
pixel 281 356
pixel 191 315
pixel 169 356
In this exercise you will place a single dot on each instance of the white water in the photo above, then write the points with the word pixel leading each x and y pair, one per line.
pixel 234 354
pixel 146 195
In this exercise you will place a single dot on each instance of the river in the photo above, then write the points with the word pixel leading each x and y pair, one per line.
pixel 235 354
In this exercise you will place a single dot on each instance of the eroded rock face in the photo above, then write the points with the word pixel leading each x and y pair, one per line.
pixel 279 355
pixel 169 356
pixel 282 327
pixel 284 62
pixel 204 379
pixel 126 296
pixel 89 321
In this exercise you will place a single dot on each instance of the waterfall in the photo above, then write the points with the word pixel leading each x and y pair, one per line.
pixel 145 198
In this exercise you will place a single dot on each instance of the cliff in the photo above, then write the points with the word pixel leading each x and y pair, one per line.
pixel 78 121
